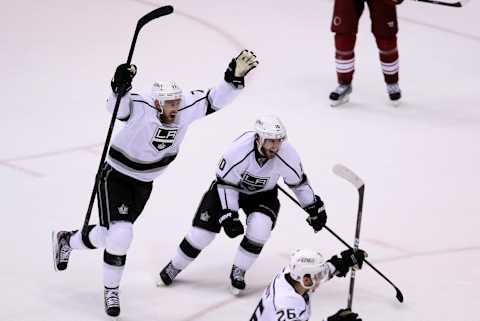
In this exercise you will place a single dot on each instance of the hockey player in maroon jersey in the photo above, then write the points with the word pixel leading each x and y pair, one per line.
pixel 383 15
pixel 155 125
pixel 246 178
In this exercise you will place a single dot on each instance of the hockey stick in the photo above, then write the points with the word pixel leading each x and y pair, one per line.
pixel 398 294
pixel 345 173
pixel 159 12
pixel 457 4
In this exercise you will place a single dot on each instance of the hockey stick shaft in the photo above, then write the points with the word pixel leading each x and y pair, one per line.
pixel 399 294
pixel 159 12
pixel 356 243
pixel 457 4
pixel 346 173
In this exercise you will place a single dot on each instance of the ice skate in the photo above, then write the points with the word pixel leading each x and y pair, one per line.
pixel 340 95
pixel 394 93
pixel 112 301
pixel 61 249
pixel 237 280
pixel 167 275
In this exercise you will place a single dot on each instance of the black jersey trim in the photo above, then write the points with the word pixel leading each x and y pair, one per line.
pixel 298 175
pixel 125 118
pixel 250 131
pixel 210 109
pixel 302 181
pixel 196 101
pixel 238 162
pixel 144 102
pixel 261 159
pixel 273 298
pixel 302 312
pixel 120 157
pixel 222 182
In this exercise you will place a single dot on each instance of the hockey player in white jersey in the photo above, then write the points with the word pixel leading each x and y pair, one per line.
pixel 287 298
pixel 246 178
pixel 155 125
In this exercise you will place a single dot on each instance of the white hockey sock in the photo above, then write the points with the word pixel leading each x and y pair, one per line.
pixel 244 260
pixel 96 237
pixel 259 228
pixel 112 275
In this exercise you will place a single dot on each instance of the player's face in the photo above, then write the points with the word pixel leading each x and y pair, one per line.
pixel 310 283
pixel 307 280
pixel 270 147
pixel 170 109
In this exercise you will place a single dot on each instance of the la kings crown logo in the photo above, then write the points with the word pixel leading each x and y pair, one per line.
pixel 253 183
pixel 164 138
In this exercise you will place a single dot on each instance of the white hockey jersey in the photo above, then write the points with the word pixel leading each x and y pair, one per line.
pixel 280 302
pixel 145 146
pixel 242 169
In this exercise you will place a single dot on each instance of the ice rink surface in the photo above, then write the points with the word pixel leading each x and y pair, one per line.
pixel 419 161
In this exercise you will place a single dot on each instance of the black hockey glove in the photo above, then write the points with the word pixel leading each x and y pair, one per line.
pixel 317 215
pixel 123 77
pixel 344 315
pixel 231 223
pixel 348 259
pixel 239 67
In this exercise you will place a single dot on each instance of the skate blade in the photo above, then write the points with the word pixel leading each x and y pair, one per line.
pixel 395 103
pixel 159 282
pixel 54 249
pixel 235 291
pixel 336 103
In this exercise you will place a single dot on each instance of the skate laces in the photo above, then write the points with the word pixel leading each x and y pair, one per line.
pixel 111 297
pixel 65 249
pixel 238 273
pixel 393 88
pixel 171 270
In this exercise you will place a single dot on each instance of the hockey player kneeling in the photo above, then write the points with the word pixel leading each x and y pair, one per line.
pixel 246 178
pixel 288 295
pixel 155 125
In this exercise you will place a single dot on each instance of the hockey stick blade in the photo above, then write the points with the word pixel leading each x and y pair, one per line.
pixel 457 4
pixel 345 173
pixel 154 14
pixel 159 12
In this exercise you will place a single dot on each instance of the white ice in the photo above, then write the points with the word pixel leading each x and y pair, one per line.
pixel 419 161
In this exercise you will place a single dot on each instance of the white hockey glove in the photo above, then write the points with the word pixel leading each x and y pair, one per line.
pixel 239 67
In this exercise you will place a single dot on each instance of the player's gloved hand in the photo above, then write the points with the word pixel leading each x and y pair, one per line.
pixel 349 259
pixel 344 315
pixel 123 77
pixel 397 2
pixel 239 67
pixel 317 215
pixel 231 223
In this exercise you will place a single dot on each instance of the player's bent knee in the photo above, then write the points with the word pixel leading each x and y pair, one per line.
pixel 119 237
pixel 386 43
pixel 259 227
pixel 200 238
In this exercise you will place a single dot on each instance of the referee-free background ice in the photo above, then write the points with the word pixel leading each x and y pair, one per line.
pixel 419 161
